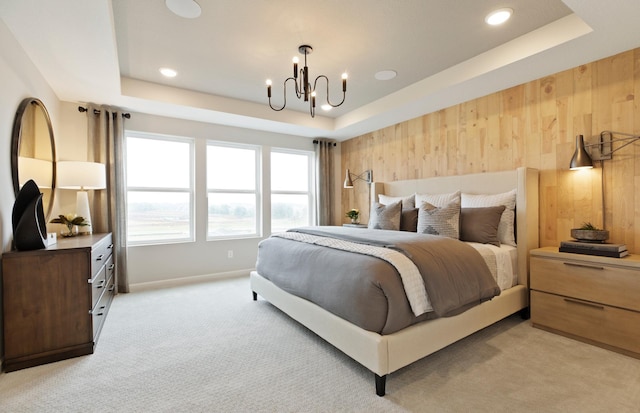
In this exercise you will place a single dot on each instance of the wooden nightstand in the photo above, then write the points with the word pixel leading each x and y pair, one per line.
pixel 586 297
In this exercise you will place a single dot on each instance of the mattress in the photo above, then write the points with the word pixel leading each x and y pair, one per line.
pixel 368 291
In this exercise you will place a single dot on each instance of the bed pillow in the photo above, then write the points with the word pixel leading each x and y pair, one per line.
pixel 439 200
pixel 409 220
pixel 408 202
pixel 481 224
pixel 443 221
pixel 506 228
pixel 385 216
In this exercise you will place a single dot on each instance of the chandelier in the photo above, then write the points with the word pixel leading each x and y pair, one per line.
pixel 303 86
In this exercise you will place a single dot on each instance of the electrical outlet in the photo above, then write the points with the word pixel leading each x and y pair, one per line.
pixel 230 254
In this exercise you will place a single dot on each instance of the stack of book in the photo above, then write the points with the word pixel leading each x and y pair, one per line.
pixel 594 248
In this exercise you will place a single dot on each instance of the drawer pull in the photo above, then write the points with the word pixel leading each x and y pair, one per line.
pixel 96 313
pixel 110 247
pixel 599 307
pixel 100 284
pixel 594 267
pixel 100 257
pixel 111 267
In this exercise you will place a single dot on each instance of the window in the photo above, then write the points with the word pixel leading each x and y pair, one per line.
pixel 159 189
pixel 292 196
pixel 232 190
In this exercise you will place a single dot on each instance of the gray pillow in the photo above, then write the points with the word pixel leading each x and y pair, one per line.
pixel 443 221
pixel 385 216
pixel 481 224
pixel 409 220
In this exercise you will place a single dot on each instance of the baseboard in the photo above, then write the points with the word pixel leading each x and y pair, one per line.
pixel 175 282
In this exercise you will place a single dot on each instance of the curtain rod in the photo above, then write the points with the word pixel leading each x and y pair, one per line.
pixel 315 141
pixel 97 112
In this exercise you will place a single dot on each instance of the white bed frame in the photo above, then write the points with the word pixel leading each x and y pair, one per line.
pixel 384 354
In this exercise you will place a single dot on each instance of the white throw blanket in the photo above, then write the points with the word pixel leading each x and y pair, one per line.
pixel 409 273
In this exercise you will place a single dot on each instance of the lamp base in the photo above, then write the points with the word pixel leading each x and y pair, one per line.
pixel 82 210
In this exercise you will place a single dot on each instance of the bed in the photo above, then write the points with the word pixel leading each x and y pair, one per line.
pixel 383 353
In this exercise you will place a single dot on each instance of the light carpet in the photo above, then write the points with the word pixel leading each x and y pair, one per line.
pixel 208 347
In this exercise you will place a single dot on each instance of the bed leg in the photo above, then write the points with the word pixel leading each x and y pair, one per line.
pixel 255 295
pixel 381 382
pixel 525 313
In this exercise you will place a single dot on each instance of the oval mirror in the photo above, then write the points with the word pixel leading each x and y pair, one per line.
pixel 33 151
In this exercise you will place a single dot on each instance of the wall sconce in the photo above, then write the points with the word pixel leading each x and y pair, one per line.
pixel 82 176
pixel 366 176
pixel 582 160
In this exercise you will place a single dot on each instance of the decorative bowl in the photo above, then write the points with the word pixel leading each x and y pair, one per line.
pixel 590 235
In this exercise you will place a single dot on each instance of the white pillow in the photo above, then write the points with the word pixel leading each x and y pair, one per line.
pixel 506 227
pixel 408 202
pixel 439 200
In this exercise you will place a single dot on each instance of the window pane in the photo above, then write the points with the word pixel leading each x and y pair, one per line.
pixel 289 211
pixel 155 163
pixel 231 214
pixel 289 172
pixel 158 216
pixel 231 168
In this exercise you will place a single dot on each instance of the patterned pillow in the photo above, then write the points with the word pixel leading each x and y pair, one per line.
pixel 385 216
pixel 438 200
pixel 408 202
pixel 506 228
pixel 443 221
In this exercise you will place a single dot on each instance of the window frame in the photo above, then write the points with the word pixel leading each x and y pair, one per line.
pixel 190 191
pixel 257 191
pixel 311 193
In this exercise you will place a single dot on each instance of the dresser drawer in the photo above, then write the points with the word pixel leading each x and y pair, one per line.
pixel 590 281
pixel 100 253
pixel 100 310
pixel 98 285
pixel 600 323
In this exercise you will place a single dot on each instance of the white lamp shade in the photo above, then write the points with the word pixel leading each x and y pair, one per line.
pixel 39 170
pixel 81 175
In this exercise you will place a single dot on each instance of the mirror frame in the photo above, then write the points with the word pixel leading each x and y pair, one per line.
pixel 15 147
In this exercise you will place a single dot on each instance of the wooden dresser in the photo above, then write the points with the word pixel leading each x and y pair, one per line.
pixel 586 297
pixel 55 300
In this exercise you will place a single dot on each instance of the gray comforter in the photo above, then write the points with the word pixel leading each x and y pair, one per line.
pixel 368 291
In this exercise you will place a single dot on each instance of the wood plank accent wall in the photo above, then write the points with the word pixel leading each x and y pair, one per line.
pixel 534 125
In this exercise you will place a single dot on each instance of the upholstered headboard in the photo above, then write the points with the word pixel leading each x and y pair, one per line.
pixel 524 180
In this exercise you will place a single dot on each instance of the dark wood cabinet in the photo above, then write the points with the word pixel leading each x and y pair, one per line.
pixel 55 300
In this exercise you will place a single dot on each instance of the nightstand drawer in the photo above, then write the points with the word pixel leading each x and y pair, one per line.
pixel 590 281
pixel 582 319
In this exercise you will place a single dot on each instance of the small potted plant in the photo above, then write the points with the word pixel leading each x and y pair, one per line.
pixel 353 214
pixel 71 221
pixel 589 233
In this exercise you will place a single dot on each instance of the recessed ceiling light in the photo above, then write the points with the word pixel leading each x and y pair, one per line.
pixel 326 107
pixel 498 17
pixel 167 72
pixel 188 9
pixel 386 74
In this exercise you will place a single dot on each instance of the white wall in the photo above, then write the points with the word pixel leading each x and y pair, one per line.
pixel 19 79
pixel 164 262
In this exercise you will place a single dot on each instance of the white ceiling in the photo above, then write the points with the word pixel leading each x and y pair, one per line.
pixel 110 51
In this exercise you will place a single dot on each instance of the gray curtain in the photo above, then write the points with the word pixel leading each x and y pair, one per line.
pixel 324 181
pixel 106 145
